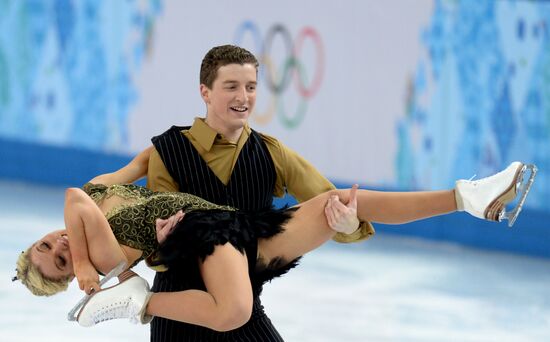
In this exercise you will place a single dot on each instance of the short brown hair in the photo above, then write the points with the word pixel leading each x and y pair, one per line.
pixel 223 55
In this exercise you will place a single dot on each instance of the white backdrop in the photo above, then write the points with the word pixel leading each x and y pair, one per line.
pixel 391 94
pixel 348 131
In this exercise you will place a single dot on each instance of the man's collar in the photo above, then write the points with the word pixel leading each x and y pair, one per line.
pixel 206 135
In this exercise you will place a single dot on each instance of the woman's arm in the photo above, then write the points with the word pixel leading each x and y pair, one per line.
pixel 133 171
pixel 92 242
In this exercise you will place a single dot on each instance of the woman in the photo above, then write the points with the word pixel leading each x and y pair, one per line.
pixel 236 251
pixel 101 222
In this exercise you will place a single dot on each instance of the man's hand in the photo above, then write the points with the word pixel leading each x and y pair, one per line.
pixel 343 217
pixel 165 226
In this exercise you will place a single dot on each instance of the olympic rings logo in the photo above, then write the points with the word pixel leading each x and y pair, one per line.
pixel 292 69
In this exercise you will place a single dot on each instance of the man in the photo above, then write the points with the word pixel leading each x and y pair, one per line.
pixel 222 160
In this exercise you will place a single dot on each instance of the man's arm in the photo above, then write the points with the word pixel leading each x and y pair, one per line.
pixel 158 177
pixel 303 181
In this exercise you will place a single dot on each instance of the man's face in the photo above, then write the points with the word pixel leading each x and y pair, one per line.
pixel 232 97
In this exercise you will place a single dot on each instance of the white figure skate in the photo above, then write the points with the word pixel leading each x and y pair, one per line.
pixel 113 273
pixel 487 198
pixel 127 299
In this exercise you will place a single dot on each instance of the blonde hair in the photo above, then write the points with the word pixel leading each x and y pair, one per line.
pixel 34 280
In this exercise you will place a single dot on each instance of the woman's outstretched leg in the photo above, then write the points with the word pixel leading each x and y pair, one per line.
pixel 309 228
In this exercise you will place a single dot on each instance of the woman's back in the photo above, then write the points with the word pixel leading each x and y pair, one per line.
pixel 132 210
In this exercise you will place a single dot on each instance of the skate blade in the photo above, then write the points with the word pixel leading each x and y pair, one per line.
pixel 523 190
pixel 71 316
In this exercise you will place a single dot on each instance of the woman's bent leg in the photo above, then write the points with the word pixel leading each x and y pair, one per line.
pixel 226 305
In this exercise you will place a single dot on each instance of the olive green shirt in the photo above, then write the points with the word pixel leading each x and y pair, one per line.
pixel 294 174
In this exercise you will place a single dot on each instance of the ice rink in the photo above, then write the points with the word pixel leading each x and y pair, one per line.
pixel 386 289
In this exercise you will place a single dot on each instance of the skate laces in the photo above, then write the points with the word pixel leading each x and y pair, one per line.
pixel 488 178
pixel 471 180
pixel 482 180
pixel 123 308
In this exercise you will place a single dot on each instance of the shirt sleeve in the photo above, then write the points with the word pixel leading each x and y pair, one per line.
pixel 158 177
pixel 297 176
pixel 303 181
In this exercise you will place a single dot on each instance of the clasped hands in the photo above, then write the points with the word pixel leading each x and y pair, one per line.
pixel 341 217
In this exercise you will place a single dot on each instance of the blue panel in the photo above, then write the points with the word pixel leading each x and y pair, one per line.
pixel 54 165
pixel 73 167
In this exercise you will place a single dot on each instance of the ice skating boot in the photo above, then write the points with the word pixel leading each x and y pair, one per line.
pixel 487 198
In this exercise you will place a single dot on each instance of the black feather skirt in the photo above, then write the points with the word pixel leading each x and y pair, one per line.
pixel 200 231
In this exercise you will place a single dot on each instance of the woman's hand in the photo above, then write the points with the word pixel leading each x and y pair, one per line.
pixel 342 218
pixel 88 279
pixel 165 226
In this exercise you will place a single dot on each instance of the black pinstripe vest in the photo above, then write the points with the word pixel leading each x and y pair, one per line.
pixel 250 186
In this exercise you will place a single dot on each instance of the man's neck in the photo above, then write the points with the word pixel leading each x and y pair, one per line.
pixel 231 134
